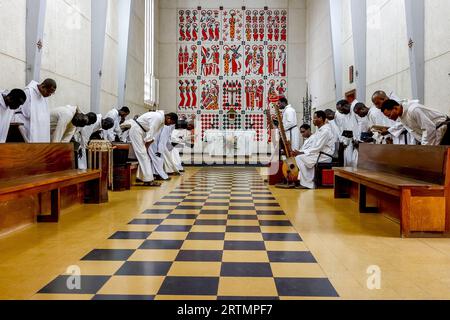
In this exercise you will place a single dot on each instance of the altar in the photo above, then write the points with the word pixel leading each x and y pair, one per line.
pixel 231 143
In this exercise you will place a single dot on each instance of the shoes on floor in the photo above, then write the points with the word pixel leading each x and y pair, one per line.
pixel 284 186
pixel 152 184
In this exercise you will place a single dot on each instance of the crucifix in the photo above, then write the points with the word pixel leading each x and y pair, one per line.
pixel 233 90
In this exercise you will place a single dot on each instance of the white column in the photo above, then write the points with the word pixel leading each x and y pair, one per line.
pixel 99 12
pixel 336 35
pixel 124 15
pixel 35 22
pixel 415 21
pixel 359 27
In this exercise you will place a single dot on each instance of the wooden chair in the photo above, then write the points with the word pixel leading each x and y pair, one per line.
pixel 321 167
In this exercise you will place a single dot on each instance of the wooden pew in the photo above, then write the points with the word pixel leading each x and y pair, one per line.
pixel 28 170
pixel 408 183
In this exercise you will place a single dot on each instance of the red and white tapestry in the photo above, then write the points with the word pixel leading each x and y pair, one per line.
pixel 231 59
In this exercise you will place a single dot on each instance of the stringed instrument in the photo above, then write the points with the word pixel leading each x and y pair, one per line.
pixel 289 167
pixel 275 167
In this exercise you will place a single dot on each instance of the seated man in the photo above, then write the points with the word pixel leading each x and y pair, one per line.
pixel 427 125
pixel 8 103
pixel 64 122
pixel 305 131
pixel 321 141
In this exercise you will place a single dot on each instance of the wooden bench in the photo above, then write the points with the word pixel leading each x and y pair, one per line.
pixel 408 183
pixel 32 169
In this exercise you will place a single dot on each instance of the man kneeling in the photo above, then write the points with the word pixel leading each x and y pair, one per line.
pixel 307 158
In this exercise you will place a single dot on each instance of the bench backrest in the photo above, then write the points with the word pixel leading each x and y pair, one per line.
pixel 425 163
pixel 21 159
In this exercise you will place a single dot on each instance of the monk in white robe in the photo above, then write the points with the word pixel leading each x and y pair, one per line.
pixel 118 116
pixel 182 139
pixel 166 150
pixel 83 137
pixel 396 132
pixel 347 123
pixel 156 155
pixel 142 134
pixel 9 102
pixel 290 123
pixel 307 158
pixel 305 131
pixel 35 113
pixel 427 125
pixel 332 122
pixel 64 122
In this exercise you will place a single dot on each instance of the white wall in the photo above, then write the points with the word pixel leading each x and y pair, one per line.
pixel 134 96
pixel 387 51
pixel 167 39
pixel 437 54
pixel 67 52
pixel 12 39
pixel 387 48
pixel 320 72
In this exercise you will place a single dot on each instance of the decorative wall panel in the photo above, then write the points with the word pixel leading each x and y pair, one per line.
pixel 232 66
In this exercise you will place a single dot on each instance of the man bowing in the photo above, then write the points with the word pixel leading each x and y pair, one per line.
pixel 35 113
pixel 8 103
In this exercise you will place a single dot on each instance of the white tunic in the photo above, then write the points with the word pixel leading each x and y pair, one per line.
pixel 291 127
pixel 421 122
pixel 321 141
pixel 83 136
pixel 167 148
pixel 111 133
pixel 6 115
pixel 335 130
pixel 306 144
pixel 348 122
pixel 35 116
pixel 183 138
pixel 377 118
pixel 61 127
pixel 152 123
pixel 157 162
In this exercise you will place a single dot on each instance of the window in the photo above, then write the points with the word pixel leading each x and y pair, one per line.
pixel 149 91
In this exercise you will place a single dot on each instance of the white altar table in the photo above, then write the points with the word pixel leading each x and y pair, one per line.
pixel 231 142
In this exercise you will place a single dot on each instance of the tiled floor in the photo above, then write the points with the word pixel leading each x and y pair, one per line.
pixel 345 243
pixel 219 235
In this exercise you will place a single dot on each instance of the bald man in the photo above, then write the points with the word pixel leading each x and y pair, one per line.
pixel 35 113
pixel 396 129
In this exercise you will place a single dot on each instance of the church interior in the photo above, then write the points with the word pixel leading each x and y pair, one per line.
pixel 224 150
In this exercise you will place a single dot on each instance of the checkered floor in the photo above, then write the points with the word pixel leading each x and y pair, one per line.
pixel 220 235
